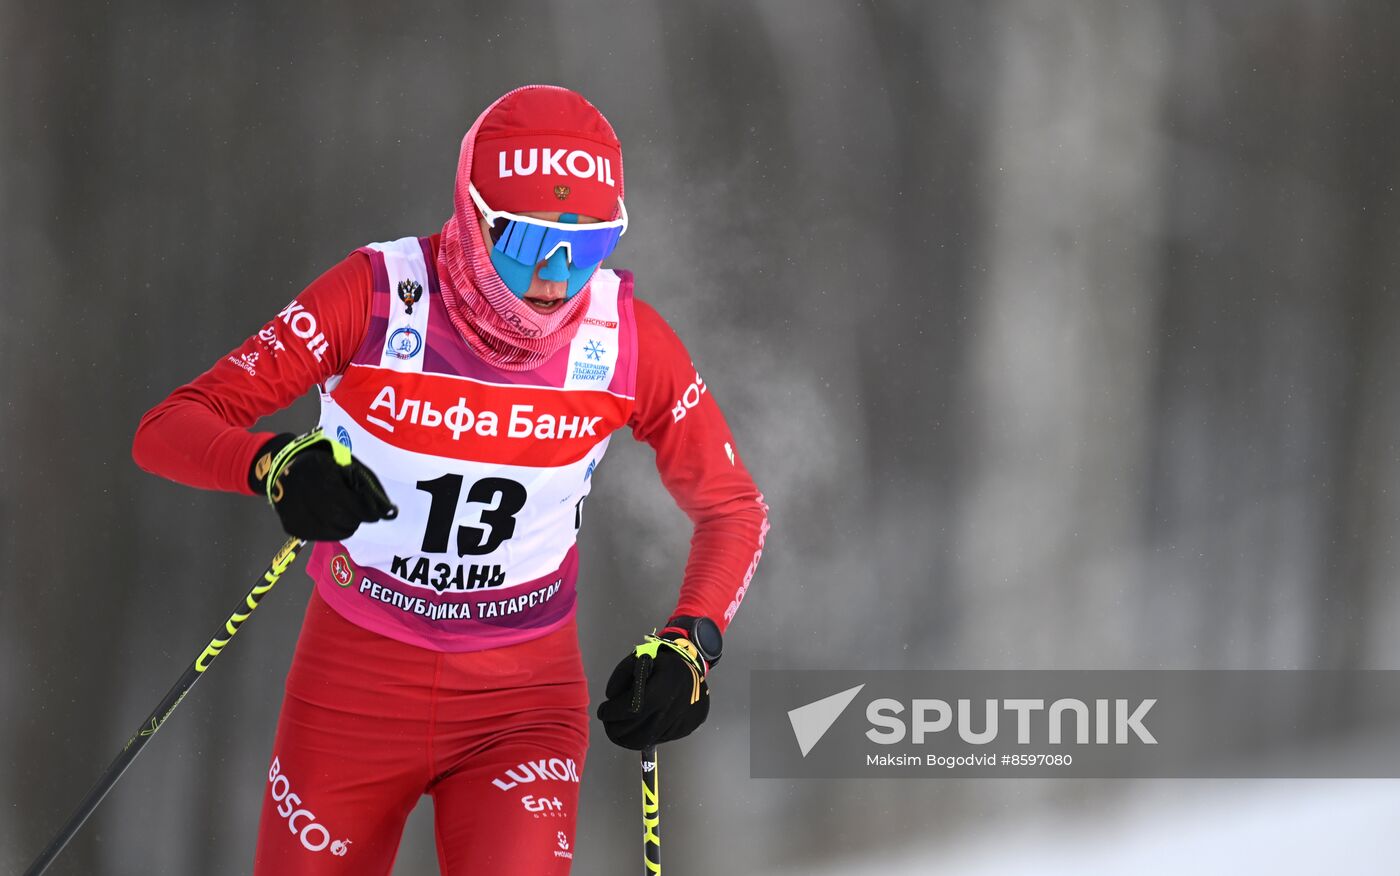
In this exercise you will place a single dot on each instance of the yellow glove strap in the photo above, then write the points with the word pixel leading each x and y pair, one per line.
pixel 684 647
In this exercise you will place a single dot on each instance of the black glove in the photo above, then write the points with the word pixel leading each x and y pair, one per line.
pixel 316 488
pixel 658 693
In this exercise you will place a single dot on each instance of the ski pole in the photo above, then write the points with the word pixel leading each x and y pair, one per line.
pixel 280 563
pixel 651 811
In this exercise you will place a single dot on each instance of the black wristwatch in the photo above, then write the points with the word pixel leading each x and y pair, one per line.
pixel 703 633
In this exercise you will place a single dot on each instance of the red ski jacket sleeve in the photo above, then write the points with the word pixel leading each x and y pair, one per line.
pixel 677 415
pixel 200 435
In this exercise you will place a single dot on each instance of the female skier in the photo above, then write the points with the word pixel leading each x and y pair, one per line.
pixel 476 377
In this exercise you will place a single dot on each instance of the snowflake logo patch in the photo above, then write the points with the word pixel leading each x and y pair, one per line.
pixel 594 350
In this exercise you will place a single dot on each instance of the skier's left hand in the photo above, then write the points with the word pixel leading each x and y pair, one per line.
pixel 658 692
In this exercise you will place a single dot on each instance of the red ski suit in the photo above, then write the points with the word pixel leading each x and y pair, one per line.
pixel 370 724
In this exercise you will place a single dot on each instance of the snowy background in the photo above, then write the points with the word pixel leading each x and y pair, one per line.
pixel 1058 334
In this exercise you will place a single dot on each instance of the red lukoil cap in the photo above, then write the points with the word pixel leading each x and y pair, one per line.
pixel 548 150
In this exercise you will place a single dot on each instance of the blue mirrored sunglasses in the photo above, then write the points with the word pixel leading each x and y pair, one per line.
pixel 531 241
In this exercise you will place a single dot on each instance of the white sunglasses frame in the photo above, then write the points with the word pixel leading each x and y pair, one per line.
pixel 493 215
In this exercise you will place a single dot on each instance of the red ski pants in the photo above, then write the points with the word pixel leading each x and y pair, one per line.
pixel 369 725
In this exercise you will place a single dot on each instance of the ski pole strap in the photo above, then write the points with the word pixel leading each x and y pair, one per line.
pixel 652 644
pixel 284 457
pixel 651 812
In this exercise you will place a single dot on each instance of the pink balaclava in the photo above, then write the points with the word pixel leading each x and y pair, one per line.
pixel 500 327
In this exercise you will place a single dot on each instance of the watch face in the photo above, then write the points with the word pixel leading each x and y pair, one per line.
pixel 707 637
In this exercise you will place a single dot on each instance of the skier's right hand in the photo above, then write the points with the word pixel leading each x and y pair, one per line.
pixel 318 490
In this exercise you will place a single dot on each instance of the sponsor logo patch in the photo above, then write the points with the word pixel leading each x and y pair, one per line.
pixel 555 162
pixel 268 338
pixel 301 822
pixel 247 361
pixel 563 850
pixel 689 399
pixel 485 423
pixel 543 807
pixel 550 769
pixel 302 322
